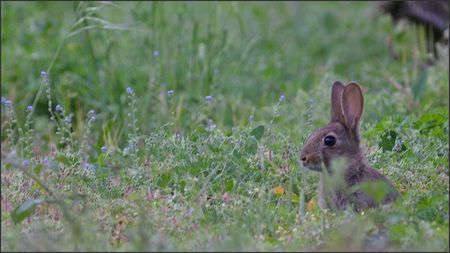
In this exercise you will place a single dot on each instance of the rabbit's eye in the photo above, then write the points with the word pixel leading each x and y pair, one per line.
pixel 330 140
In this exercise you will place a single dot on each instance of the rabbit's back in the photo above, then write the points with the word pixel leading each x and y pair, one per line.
pixel 366 174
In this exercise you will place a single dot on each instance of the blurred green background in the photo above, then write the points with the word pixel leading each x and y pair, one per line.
pixel 244 54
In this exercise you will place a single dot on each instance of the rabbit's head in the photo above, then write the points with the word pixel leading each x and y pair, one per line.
pixel 340 138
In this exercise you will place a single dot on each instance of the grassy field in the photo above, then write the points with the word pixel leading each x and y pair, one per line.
pixel 158 126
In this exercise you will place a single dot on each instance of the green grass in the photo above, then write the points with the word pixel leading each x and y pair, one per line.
pixel 184 173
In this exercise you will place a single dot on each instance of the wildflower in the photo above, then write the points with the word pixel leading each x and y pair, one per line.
pixel 36 193
pixel 68 119
pixel 279 190
pixel 104 149
pixel 251 118
pixel 156 53
pixel 45 162
pixel 43 74
pixel 189 211
pixel 282 97
pixel 211 125
pixel 6 102
pixel 208 98
pixel 152 195
pixel 128 190
pixel 226 198
pixel 170 93
pixel 311 204
pixel 26 163
pixel 130 90
pixel 91 115
pixel 398 145
pixel 29 108
pixel 59 108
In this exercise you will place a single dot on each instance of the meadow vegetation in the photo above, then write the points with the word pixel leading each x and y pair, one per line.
pixel 177 126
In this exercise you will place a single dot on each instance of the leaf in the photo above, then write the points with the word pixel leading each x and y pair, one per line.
pixel 251 146
pixel 164 180
pixel 63 159
pixel 23 211
pixel 101 160
pixel 258 132
pixel 229 184
pixel 38 169
pixel 388 140
pixel 432 123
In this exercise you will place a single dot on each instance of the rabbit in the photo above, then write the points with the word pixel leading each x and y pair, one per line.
pixel 339 140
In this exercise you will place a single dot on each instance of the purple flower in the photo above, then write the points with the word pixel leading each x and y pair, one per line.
pixel 29 108
pixel 59 108
pixel 282 97
pixel 130 90
pixel 91 115
pixel 156 53
pixel 104 149
pixel 170 93
pixel 208 98
pixel 43 74
pixel 26 163
pixel 6 102
pixel 36 193
pixel 68 119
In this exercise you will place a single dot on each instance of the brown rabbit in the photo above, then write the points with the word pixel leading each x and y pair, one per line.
pixel 339 140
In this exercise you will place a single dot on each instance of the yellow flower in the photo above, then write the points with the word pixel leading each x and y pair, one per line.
pixel 279 190
pixel 311 204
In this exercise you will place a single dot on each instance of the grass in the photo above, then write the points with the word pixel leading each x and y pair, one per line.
pixel 162 166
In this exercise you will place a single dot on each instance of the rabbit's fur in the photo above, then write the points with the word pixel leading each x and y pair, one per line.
pixel 346 110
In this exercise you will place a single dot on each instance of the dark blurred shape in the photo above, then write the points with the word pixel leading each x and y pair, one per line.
pixel 433 14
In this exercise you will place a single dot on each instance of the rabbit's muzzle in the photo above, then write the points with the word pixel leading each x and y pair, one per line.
pixel 311 161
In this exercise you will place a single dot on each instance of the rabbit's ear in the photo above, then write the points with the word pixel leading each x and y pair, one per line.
pixel 336 109
pixel 352 107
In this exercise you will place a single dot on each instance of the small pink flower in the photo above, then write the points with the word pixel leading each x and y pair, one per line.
pixel 153 195
pixel 6 205
pixel 226 198
pixel 194 226
pixel 174 221
pixel 128 191
pixel 57 215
